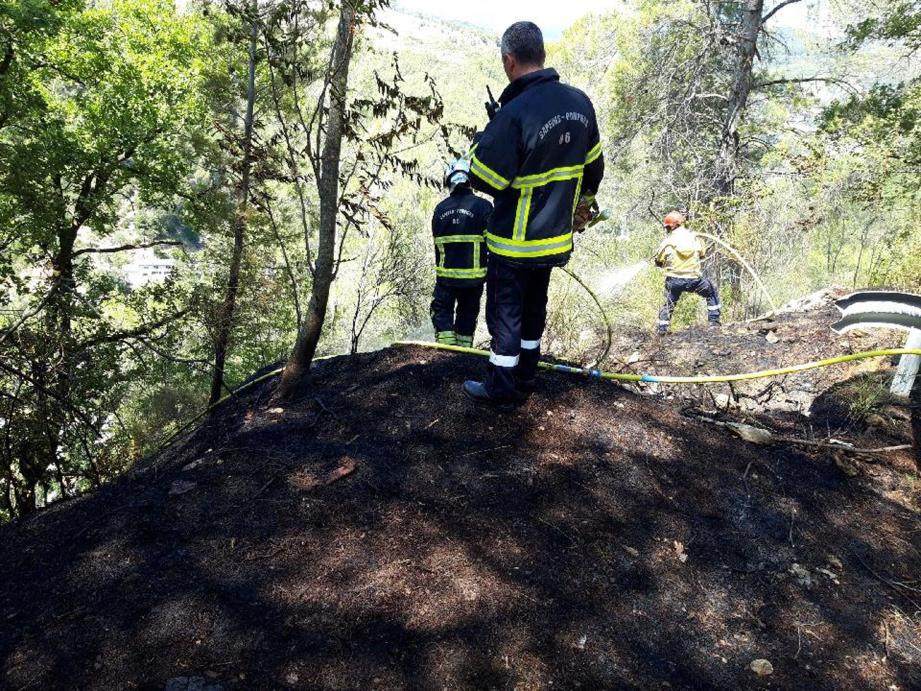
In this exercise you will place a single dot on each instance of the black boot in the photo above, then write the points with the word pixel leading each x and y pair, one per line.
pixel 477 392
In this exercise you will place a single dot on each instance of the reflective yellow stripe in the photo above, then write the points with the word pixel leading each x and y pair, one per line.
pixel 487 174
pixel 541 179
pixel 490 238
pixel 522 214
pixel 529 248
pixel 460 273
pixel 476 271
pixel 458 238
pixel 593 154
pixel 575 201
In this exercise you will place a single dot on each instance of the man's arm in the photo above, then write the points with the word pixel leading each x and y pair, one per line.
pixel 494 160
pixel 484 213
pixel 664 253
pixel 594 161
pixel 702 246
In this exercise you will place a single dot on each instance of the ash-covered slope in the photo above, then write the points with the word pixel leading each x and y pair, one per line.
pixel 384 533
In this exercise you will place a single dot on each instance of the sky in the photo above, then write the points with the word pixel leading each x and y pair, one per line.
pixel 496 15
pixel 553 16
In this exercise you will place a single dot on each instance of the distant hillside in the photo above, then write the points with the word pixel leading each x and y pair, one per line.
pixel 461 58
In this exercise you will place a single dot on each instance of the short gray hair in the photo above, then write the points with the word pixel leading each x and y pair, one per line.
pixel 525 42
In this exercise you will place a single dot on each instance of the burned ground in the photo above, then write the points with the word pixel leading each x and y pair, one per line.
pixel 385 533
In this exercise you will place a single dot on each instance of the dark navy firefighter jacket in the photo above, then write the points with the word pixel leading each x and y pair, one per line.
pixel 459 229
pixel 537 157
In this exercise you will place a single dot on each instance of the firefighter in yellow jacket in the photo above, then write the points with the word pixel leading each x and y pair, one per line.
pixel 680 254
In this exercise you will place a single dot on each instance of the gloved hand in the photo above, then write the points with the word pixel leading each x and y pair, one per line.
pixel 585 211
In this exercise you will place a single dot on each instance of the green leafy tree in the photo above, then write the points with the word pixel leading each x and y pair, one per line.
pixel 101 110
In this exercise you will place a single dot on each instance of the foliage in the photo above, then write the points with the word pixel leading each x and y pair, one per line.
pixel 897 21
pixel 102 105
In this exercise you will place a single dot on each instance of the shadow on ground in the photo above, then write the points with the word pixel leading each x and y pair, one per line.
pixel 590 539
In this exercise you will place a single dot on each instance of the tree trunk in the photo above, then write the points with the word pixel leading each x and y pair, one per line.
pixel 297 371
pixel 53 366
pixel 228 308
pixel 752 22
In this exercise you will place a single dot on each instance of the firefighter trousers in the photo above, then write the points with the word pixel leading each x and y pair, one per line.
pixel 676 287
pixel 516 313
pixel 454 313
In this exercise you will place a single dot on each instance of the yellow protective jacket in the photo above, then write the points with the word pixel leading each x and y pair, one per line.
pixel 680 254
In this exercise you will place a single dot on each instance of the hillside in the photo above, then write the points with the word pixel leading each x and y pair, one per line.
pixel 384 533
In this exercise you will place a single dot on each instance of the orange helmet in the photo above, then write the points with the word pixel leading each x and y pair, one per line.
pixel 673 220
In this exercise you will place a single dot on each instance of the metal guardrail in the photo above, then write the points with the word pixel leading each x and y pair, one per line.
pixel 880 309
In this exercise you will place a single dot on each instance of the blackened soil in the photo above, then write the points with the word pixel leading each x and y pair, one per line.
pixel 592 538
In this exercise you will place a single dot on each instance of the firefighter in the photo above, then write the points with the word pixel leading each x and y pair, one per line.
pixel 540 158
pixel 680 254
pixel 459 227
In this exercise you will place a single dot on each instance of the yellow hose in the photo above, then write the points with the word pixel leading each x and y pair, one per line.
pixel 706 379
pixel 582 372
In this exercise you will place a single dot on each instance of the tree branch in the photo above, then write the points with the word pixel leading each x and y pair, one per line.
pixel 52 395
pixel 25 317
pixel 778 8
pixel 133 333
pixel 804 80
pixel 126 248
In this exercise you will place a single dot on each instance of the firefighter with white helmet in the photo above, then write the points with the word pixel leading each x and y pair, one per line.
pixel 458 227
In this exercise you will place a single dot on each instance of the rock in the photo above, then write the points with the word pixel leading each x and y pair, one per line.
pixel 810 302
pixel 761 667
pixel 772 337
pixel 754 435
pixel 803 577
pixel 799 401
pixel 192 466
pixel 723 400
pixel 679 550
pixel 181 487
pixel 632 551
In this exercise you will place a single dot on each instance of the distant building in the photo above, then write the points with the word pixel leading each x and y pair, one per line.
pixel 147 268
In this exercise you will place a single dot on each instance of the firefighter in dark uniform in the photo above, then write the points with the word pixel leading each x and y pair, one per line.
pixel 540 158
pixel 459 228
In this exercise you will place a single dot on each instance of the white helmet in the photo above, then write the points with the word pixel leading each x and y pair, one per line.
pixel 458 173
